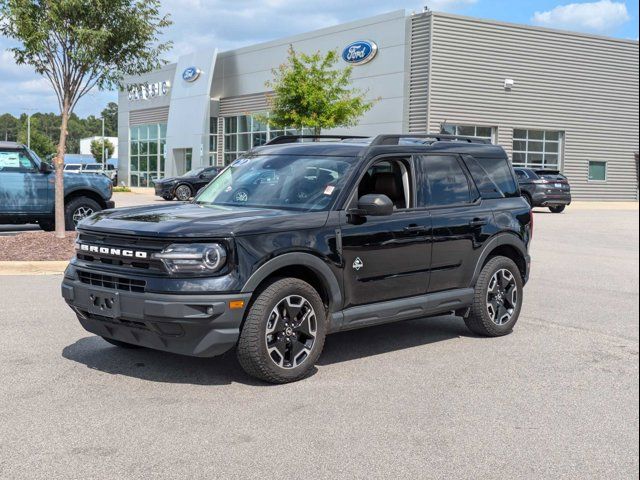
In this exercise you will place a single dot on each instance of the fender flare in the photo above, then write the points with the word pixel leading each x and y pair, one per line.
pixel 81 190
pixel 294 259
pixel 493 243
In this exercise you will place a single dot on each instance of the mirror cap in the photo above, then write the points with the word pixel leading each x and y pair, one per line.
pixel 375 204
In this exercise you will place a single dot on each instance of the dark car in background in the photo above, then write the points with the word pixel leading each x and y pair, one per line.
pixel 544 188
pixel 185 186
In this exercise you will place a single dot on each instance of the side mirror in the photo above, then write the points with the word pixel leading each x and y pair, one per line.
pixel 45 167
pixel 376 205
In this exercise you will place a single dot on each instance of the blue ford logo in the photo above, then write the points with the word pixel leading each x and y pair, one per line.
pixel 359 52
pixel 191 74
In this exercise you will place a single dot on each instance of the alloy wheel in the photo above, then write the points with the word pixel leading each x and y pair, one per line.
pixel 81 213
pixel 183 193
pixel 241 196
pixel 291 331
pixel 502 296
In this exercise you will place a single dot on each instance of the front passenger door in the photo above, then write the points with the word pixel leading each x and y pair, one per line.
pixel 23 188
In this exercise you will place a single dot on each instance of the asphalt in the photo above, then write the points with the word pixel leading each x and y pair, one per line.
pixel 558 398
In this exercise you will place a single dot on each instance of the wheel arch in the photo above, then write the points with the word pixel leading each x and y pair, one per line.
pixel 92 194
pixel 507 245
pixel 304 266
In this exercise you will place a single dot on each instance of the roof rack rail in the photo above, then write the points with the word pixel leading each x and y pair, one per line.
pixel 438 137
pixel 295 138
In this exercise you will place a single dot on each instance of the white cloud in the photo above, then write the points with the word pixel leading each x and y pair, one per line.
pixel 599 17
pixel 449 5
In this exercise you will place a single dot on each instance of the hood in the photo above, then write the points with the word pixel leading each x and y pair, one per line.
pixel 202 221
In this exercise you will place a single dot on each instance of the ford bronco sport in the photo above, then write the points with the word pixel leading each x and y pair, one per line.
pixel 27 190
pixel 341 233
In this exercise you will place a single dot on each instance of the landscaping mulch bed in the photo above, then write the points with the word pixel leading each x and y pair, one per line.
pixel 37 246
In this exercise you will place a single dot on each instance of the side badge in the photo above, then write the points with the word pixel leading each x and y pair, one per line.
pixel 357 264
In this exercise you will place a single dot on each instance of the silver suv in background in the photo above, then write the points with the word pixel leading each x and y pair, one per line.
pixel 108 170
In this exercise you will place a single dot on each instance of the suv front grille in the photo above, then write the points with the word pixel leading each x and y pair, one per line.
pixel 112 282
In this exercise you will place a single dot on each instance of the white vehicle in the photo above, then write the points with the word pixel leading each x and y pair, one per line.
pixel 108 170
pixel 73 167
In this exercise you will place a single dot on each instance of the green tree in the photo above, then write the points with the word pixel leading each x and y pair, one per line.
pixel 81 44
pixel 96 149
pixel 110 115
pixel 309 91
pixel 9 126
pixel 40 142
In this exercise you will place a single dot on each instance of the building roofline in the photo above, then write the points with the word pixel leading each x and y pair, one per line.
pixel 534 28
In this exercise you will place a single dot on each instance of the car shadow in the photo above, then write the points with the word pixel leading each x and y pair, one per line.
pixel 157 366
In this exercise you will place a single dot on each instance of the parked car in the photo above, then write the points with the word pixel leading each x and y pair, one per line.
pixel 544 188
pixel 73 167
pixel 347 235
pixel 185 186
pixel 109 170
pixel 27 190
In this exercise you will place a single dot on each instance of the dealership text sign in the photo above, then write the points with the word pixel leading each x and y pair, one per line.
pixel 147 91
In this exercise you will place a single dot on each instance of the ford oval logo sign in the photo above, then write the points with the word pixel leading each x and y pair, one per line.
pixel 191 74
pixel 358 53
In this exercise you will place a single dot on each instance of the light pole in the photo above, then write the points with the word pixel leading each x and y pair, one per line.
pixel 104 160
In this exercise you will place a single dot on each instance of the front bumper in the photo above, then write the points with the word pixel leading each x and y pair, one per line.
pixel 196 325
pixel 164 189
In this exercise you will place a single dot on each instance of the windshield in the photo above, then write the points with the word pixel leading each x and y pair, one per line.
pixel 193 173
pixel 73 167
pixel 280 181
pixel 93 167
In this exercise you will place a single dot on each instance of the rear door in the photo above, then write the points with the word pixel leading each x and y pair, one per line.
pixel 459 219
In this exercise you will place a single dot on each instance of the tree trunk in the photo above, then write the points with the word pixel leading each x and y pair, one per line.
pixel 59 167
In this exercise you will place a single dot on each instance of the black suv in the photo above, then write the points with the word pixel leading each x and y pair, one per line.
pixel 345 233
pixel 185 186
pixel 544 188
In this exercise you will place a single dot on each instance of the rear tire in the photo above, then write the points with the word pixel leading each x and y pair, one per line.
pixel 78 209
pixel 528 200
pixel 558 209
pixel 283 333
pixel 497 300
pixel 120 344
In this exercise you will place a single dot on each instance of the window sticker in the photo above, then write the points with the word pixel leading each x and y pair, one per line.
pixel 9 160
pixel 329 189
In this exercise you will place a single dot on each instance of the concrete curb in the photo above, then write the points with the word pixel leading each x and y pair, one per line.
pixel 33 267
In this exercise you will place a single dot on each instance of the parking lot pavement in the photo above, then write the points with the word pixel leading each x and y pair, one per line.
pixel 417 399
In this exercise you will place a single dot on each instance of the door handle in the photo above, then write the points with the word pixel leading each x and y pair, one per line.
pixel 478 222
pixel 415 228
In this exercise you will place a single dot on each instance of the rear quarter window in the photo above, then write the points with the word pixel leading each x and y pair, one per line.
pixel 492 176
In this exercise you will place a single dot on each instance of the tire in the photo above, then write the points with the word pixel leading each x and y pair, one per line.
pixel 47 226
pixel 528 199
pixel 241 196
pixel 167 197
pixel 120 344
pixel 480 319
pixel 267 332
pixel 558 209
pixel 183 192
pixel 77 209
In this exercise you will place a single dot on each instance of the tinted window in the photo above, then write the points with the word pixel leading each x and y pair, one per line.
pixel 446 182
pixel 521 175
pixel 495 170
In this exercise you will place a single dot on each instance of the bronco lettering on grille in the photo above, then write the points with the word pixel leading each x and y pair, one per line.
pixel 115 252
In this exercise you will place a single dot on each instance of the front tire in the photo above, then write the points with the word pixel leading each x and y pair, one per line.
pixel 558 209
pixel 78 209
pixel 497 300
pixel 184 193
pixel 284 332
pixel 167 197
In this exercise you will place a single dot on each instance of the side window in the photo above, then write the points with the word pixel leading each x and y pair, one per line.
pixel 521 175
pixel 15 161
pixel 390 177
pixel 445 182
pixel 499 171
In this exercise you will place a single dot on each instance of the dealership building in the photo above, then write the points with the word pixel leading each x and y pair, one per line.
pixel 553 99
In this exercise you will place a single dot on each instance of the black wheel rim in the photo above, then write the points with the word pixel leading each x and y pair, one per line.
pixel 502 297
pixel 80 213
pixel 291 331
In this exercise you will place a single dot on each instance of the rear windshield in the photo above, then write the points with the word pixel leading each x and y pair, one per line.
pixel 550 175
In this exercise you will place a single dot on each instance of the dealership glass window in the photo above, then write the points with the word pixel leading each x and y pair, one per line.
pixel 243 132
pixel 597 171
pixel 487 133
pixel 537 148
pixel 213 141
pixel 146 153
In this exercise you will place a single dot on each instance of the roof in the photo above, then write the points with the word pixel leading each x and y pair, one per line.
pixel 15 145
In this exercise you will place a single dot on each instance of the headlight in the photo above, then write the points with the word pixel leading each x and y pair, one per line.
pixel 193 258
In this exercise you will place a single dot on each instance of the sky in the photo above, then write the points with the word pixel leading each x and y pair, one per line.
pixel 230 24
